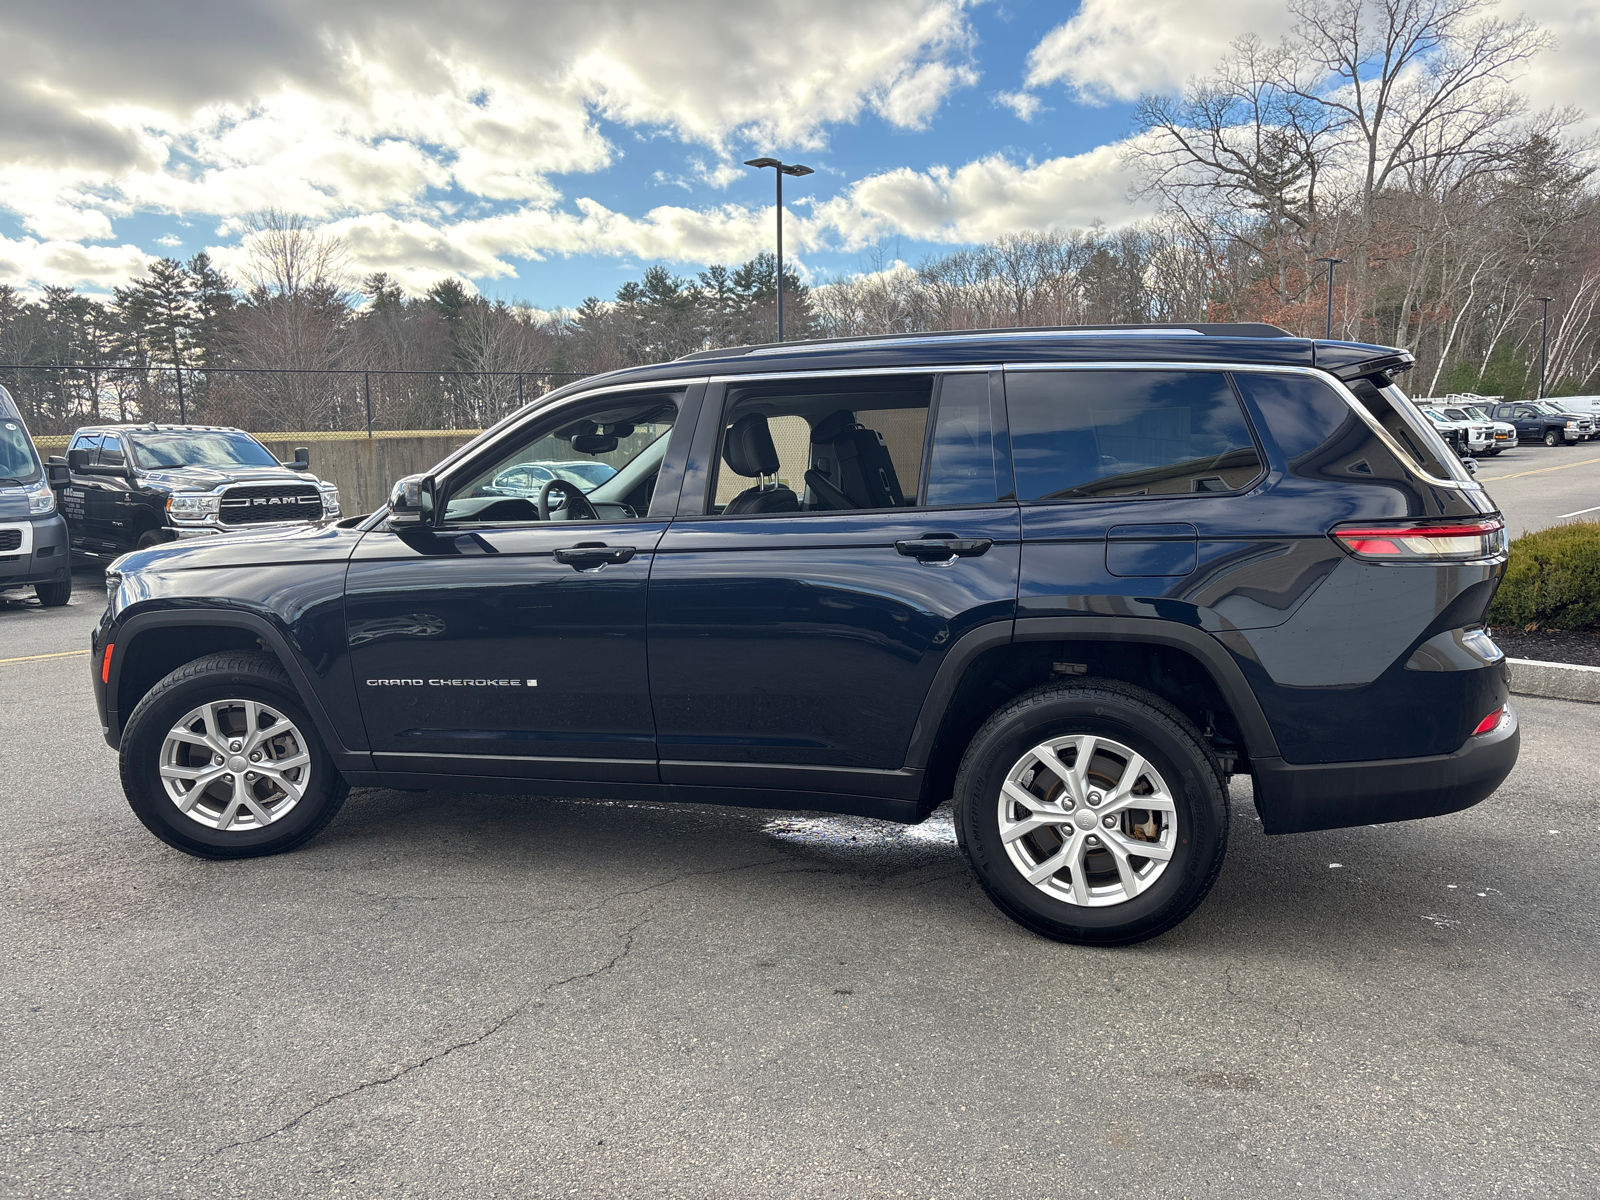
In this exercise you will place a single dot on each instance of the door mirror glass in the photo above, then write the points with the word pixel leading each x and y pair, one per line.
pixel 56 470
pixel 77 460
pixel 301 460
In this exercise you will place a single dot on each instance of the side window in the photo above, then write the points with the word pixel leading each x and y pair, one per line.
pixel 111 452
pixel 591 461
pixel 961 461
pixel 1107 434
pixel 86 441
pixel 825 445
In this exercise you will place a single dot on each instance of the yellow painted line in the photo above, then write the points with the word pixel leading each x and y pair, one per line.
pixel 1564 466
pixel 37 657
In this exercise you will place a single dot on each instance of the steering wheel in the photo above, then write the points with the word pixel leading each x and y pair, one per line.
pixel 577 506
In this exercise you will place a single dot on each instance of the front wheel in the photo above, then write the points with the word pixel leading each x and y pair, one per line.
pixel 54 595
pixel 1552 438
pixel 220 760
pixel 1092 813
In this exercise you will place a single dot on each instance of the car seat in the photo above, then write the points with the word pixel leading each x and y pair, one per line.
pixel 748 451
pixel 850 466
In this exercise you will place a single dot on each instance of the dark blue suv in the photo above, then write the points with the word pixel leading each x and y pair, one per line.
pixel 1069 579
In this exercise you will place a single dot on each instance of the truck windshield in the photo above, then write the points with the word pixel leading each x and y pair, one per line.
pixel 17 458
pixel 156 450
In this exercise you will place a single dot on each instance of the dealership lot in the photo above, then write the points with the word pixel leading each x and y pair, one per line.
pixel 484 996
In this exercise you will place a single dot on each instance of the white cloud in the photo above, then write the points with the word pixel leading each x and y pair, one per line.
pixel 1118 49
pixel 1025 104
pixel 981 200
pixel 27 264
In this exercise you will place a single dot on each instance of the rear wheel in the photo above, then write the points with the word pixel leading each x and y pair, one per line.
pixel 1092 813
pixel 221 760
pixel 54 595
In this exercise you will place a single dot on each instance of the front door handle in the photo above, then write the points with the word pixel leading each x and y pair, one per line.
pixel 942 547
pixel 586 555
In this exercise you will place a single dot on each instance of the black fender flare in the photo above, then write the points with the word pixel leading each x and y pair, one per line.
pixel 1211 654
pixel 127 632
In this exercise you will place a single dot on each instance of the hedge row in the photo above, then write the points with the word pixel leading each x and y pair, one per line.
pixel 1552 580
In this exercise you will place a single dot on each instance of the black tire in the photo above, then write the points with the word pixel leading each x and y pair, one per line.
pixel 1147 725
pixel 54 595
pixel 1552 438
pixel 154 537
pixel 229 675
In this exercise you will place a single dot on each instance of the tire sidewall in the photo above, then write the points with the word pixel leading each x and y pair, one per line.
pixel 1201 815
pixel 140 758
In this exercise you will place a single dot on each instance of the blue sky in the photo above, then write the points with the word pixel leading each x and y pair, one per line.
pixel 547 151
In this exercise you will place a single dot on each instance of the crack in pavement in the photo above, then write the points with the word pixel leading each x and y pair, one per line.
pixel 467 1044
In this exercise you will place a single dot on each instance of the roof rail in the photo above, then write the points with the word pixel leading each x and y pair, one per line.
pixel 1242 329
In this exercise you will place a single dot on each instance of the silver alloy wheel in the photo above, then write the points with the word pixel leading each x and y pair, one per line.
pixel 1087 820
pixel 235 765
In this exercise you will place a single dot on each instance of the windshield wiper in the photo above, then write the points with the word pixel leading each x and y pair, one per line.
pixel 10 481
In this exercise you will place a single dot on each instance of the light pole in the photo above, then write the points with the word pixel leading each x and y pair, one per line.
pixel 1332 263
pixel 1544 344
pixel 782 169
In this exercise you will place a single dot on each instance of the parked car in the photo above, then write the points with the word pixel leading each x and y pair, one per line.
pixel 130 487
pixel 33 537
pixel 1588 427
pixel 1538 424
pixel 1069 581
pixel 1462 432
pixel 1505 433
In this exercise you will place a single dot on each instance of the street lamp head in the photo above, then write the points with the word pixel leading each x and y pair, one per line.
pixel 796 169
pixel 1333 262
pixel 762 162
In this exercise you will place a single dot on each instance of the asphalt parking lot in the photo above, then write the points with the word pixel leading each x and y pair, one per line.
pixel 489 996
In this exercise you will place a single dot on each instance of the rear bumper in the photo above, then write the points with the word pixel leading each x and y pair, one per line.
pixel 1299 798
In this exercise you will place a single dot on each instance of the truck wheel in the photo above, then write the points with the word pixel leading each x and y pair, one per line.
pixel 54 595
pixel 1092 813
pixel 1552 437
pixel 154 537
pixel 221 760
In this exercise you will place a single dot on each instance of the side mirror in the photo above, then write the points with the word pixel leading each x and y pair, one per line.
pixel 411 501
pixel 77 461
pixel 301 460
pixel 56 470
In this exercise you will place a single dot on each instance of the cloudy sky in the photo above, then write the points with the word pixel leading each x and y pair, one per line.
pixel 547 151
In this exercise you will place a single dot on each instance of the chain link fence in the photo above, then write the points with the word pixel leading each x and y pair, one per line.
pixel 56 400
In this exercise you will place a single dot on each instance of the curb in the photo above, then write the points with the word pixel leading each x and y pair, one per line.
pixel 1555 681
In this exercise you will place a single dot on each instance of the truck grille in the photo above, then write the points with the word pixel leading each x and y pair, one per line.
pixel 10 539
pixel 270 503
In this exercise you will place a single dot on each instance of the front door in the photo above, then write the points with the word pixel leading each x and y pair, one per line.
pixel 500 641
pixel 799 611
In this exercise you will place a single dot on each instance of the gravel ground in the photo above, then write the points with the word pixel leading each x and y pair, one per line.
pixel 1546 645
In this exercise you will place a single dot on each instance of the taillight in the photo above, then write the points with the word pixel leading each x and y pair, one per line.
pixel 1412 541
pixel 1488 724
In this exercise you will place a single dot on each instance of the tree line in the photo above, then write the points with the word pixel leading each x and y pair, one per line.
pixel 1387 134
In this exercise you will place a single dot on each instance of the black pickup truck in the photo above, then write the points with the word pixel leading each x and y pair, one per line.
pixel 130 487
pixel 1536 422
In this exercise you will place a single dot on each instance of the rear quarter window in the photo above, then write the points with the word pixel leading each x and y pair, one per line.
pixel 1116 434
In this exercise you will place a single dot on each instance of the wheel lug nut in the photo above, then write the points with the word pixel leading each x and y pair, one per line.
pixel 1109 822
pixel 1095 798
pixel 227 779
pixel 236 746
pixel 1093 841
pixel 249 774
pixel 255 756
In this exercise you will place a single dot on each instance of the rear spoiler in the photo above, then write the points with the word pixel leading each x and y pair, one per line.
pixel 1356 360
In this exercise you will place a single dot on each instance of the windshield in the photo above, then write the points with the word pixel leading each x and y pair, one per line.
pixel 1455 414
pixel 155 451
pixel 1434 417
pixel 1479 415
pixel 17 458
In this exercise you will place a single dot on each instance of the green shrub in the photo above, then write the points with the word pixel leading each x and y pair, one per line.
pixel 1552 580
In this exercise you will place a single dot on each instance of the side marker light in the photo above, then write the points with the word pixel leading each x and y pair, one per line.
pixel 105 664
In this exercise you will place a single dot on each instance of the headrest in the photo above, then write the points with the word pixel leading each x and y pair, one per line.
pixel 748 448
pixel 830 427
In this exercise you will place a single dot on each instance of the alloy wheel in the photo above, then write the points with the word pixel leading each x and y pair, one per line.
pixel 235 765
pixel 1087 820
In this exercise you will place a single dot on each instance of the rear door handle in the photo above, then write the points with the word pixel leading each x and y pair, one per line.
pixel 593 554
pixel 942 547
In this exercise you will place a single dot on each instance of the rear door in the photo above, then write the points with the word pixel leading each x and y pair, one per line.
pixel 794 648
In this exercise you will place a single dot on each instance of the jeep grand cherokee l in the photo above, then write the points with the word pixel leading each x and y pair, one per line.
pixel 1071 580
